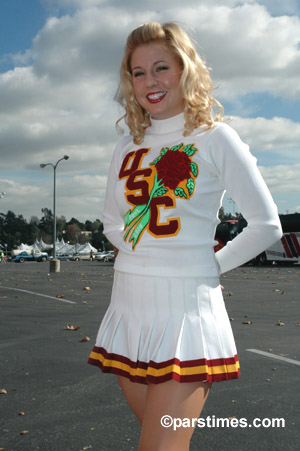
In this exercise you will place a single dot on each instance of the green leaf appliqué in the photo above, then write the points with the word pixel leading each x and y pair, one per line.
pixel 176 147
pixel 160 192
pixel 190 186
pixel 180 192
pixel 194 169
pixel 189 150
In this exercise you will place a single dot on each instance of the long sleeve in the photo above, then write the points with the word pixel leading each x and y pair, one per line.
pixel 240 176
pixel 112 219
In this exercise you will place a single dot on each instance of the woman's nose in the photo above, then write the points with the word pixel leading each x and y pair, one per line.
pixel 151 79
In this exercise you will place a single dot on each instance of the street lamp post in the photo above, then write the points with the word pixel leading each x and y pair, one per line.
pixel 66 157
pixel 2 194
pixel 233 205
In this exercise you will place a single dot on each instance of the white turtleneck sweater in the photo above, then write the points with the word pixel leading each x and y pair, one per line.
pixel 170 204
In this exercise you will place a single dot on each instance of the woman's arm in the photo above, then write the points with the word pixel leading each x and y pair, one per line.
pixel 112 220
pixel 240 176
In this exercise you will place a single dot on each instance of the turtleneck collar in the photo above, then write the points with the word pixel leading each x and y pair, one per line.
pixel 163 126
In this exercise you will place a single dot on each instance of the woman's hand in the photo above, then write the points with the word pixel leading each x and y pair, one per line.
pixel 116 251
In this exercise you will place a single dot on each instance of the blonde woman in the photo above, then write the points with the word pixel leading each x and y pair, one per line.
pixel 166 334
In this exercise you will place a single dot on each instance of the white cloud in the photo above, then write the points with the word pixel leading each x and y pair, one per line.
pixel 248 49
pixel 80 196
pixel 282 178
pixel 264 134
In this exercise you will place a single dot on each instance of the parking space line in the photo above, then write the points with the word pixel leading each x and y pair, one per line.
pixel 274 356
pixel 39 294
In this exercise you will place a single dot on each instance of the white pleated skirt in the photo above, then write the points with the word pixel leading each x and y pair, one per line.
pixel 161 328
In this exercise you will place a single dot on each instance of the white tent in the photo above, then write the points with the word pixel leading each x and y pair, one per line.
pixel 85 248
pixel 25 247
pixel 66 249
pixel 62 248
pixel 42 246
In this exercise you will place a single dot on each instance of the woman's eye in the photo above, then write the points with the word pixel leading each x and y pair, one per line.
pixel 138 74
pixel 161 68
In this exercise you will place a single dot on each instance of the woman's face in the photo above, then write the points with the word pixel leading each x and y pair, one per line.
pixel 155 78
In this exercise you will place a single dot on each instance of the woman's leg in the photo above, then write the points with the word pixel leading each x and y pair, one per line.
pixel 178 400
pixel 135 395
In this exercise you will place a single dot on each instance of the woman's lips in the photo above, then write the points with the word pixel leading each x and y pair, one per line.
pixel 155 97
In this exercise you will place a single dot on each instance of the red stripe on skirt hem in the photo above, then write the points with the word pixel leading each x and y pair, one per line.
pixel 171 375
pixel 184 364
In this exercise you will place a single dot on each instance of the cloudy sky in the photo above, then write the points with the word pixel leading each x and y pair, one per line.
pixel 59 63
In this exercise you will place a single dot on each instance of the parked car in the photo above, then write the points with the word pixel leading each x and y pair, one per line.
pixel 105 256
pixel 64 256
pixel 76 257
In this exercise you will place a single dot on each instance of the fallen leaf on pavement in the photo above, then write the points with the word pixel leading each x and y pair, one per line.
pixel 83 339
pixel 60 296
pixel 70 327
pixel 87 289
pixel 24 432
pixel 3 391
pixel 21 413
pixel 268 380
pixel 247 322
pixel 280 323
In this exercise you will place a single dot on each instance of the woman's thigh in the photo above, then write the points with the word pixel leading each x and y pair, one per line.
pixel 135 395
pixel 177 400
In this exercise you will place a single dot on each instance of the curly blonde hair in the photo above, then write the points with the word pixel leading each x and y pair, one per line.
pixel 195 82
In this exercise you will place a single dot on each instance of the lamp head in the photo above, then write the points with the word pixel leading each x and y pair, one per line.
pixel 42 165
pixel 66 157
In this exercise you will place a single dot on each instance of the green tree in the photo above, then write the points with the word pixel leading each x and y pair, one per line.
pixel 46 222
pixel 73 233
pixel 60 227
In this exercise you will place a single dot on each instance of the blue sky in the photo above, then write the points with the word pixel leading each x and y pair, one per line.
pixel 59 62
pixel 19 23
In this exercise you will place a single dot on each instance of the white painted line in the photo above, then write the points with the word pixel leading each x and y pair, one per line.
pixel 274 356
pixel 39 294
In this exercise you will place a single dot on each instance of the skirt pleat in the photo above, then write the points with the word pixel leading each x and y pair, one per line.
pixel 161 328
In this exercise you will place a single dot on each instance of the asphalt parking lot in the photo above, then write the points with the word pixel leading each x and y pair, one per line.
pixel 52 400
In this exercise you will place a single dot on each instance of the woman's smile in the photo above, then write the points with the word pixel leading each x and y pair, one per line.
pixel 156 96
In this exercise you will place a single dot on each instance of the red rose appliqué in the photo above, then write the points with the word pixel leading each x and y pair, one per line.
pixel 173 168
